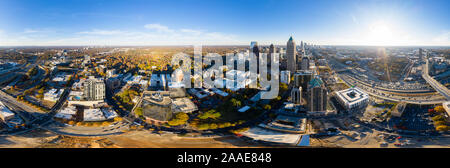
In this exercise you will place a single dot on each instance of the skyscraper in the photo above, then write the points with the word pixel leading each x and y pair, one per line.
pixel 291 56
pixel 317 95
pixel 296 95
pixel 420 54
pixel 302 78
pixel 255 50
pixel 305 63
pixel 269 56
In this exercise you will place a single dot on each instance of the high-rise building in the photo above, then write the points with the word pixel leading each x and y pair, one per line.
pixel 269 56
pixel 302 78
pixel 317 95
pixel 291 55
pixel 305 63
pixel 420 54
pixel 296 95
pixel 253 44
pixel 254 48
pixel 94 89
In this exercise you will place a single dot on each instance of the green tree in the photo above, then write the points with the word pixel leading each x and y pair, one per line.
pixel 179 119
pixel 438 118
pixel 41 91
pixel 235 102
pixel 138 111
pixel 213 114
pixel 267 107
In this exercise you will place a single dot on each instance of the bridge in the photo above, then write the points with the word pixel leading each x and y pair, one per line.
pixel 435 84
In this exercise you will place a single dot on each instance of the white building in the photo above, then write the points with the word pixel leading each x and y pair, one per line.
pixel 110 73
pixel 285 77
pixel 93 115
pixel 5 113
pixel 53 95
pixel 352 99
pixel 94 89
pixel 446 106
pixel 66 113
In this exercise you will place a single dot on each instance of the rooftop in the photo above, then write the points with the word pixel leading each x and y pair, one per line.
pixel 352 95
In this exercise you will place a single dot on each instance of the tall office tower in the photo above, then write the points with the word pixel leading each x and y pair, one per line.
pixel 305 63
pixel 253 44
pixel 317 95
pixel 269 56
pixel 420 54
pixel 255 50
pixel 296 95
pixel 291 56
pixel 94 89
pixel 302 78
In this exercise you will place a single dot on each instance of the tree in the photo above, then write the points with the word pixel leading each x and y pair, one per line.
pixel 138 111
pixel 213 114
pixel 439 123
pixel 438 118
pixel 179 119
pixel 236 102
pixel 213 126
pixel 267 107
pixel 439 109
pixel 442 128
pixel 203 126
pixel 283 87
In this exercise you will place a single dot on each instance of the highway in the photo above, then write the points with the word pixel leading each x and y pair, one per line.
pixel 390 98
pixel 435 84
pixel 24 111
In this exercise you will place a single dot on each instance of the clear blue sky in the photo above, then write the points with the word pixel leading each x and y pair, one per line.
pixel 185 22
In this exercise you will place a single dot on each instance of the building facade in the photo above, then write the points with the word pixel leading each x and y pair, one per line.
pixel 305 63
pixel 285 77
pixel 317 96
pixel 352 99
pixel 94 89
pixel 296 95
pixel 302 78
pixel 291 53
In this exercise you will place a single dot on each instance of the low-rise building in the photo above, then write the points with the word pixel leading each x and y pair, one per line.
pixel 67 113
pixel 446 106
pixel 352 99
pixel 5 113
pixel 53 95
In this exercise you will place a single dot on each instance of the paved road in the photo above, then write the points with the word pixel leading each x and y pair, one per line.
pixel 435 84
pixel 421 102
pixel 24 111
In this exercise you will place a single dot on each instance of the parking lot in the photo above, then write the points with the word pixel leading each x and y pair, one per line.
pixel 415 118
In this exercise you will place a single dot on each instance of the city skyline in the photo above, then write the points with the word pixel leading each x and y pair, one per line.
pixel 142 23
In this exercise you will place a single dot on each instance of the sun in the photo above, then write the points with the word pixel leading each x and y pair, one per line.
pixel 380 33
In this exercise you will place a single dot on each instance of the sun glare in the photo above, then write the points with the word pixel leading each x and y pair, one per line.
pixel 380 33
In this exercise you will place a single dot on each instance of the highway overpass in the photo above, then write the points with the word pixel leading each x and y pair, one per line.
pixel 435 84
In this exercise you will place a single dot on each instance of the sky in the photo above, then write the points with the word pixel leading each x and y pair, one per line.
pixel 224 22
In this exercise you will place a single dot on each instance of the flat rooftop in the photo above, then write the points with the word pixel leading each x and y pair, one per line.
pixel 288 123
pixel 352 95
pixel 267 135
